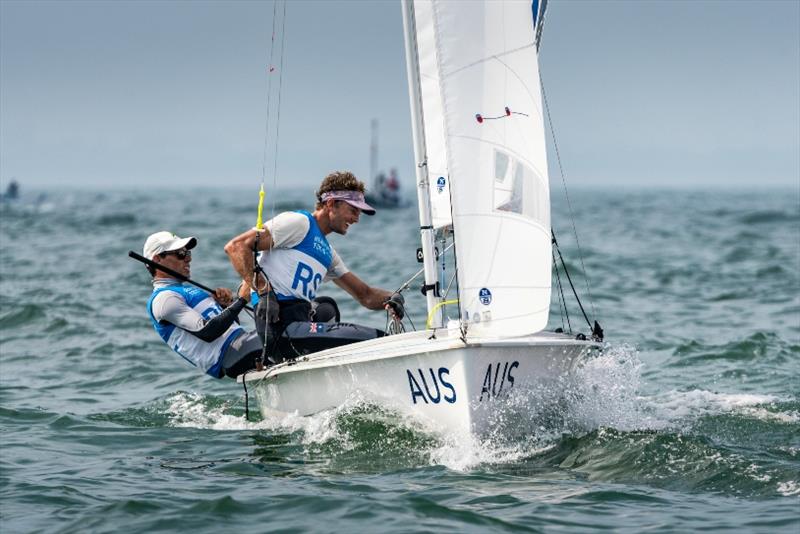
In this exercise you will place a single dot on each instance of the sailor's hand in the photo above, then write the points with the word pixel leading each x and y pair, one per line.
pixel 267 309
pixel 244 291
pixel 223 296
pixel 396 305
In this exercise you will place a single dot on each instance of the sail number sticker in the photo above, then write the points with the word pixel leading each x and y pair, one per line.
pixel 431 386
pixel 499 377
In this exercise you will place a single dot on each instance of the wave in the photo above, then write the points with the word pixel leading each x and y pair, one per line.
pixel 757 346
pixel 598 425
pixel 769 216
pixel 116 219
pixel 21 315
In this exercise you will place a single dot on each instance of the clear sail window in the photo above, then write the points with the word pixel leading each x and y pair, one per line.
pixel 518 189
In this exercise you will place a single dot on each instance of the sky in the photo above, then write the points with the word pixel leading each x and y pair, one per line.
pixel 119 94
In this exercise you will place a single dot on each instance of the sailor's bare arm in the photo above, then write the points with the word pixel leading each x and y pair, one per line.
pixel 372 298
pixel 240 252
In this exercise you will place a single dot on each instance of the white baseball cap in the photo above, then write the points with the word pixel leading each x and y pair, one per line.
pixel 166 242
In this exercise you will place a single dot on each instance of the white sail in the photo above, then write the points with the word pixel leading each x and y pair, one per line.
pixel 477 122
pixel 433 116
pixel 485 134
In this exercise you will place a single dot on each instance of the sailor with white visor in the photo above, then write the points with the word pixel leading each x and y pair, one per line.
pixel 295 258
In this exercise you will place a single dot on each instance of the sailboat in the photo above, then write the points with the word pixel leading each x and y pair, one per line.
pixel 479 143
pixel 385 190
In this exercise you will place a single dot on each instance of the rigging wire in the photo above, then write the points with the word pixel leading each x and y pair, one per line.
pixel 265 153
pixel 597 330
pixel 270 70
pixel 408 316
pixel 449 284
pixel 566 194
pixel 405 285
pixel 278 17
pixel 562 303
pixel 278 120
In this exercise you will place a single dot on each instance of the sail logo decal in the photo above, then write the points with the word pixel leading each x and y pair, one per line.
pixel 498 378
pixel 440 183
pixel 485 296
pixel 440 389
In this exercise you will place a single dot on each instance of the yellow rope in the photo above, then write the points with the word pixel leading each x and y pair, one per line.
pixel 260 220
pixel 435 308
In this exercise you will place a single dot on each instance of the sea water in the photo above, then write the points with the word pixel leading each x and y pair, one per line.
pixel 690 420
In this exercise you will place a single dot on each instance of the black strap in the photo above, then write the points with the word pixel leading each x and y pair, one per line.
pixel 428 287
pixel 256 271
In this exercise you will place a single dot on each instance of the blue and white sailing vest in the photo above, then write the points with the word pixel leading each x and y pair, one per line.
pixel 205 355
pixel 297 272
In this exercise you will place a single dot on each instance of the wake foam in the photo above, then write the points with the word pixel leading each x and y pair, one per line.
pixel 192 410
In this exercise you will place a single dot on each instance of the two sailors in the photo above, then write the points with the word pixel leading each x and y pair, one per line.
pixel 283 263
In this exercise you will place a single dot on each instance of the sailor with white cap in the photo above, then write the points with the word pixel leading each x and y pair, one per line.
pixel 200 327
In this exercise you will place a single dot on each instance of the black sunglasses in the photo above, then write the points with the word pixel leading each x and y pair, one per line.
pixel 181 254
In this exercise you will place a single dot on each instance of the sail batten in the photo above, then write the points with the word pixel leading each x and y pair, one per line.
pixel 487 163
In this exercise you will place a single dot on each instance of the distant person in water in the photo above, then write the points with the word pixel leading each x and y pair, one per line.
pixel 296 258
pixel 202 328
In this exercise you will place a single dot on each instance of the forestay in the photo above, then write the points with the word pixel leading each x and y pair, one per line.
pixel 484 134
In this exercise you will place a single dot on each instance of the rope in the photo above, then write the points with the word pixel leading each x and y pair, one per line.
pixel 562 303
pixel 246 397
pixel 414 328
pixel 267 144
pixel 569 202
pixel 268 123
pixel 569 279
pixel 278 120
pixel 435 308
pixel 393 325
pixel 270 69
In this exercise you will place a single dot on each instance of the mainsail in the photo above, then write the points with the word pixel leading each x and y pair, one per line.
pixel 484 142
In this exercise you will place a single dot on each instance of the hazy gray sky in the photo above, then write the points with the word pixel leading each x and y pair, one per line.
pixel 162 93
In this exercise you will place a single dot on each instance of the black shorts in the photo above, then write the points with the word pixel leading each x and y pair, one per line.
pixel 242 355
pixel 306 327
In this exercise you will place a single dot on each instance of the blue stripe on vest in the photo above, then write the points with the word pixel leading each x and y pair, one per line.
pixel 162 329
pixel 315 244
pixel 216 369
pixel 192 295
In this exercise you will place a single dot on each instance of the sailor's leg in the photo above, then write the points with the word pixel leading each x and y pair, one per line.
pixel 307 337
pixel 324 310
pixel 242 354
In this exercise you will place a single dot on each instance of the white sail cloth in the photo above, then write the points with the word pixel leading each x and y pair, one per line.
pixel 433 116
pixel 484 135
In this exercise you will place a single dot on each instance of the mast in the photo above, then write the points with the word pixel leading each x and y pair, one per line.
pixel 420 156
pixel 373 153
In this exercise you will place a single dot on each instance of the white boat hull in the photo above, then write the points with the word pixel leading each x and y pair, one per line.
pixel 449 385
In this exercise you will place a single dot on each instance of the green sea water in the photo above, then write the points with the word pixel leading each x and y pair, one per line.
pixel 689 421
